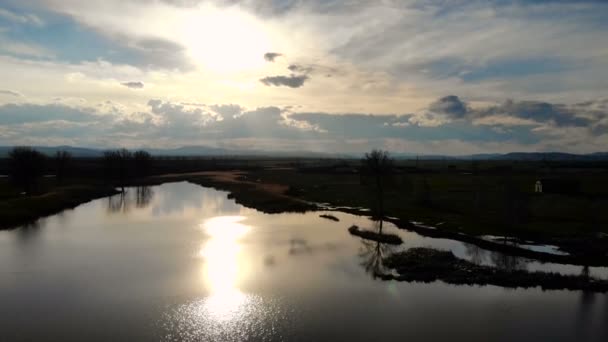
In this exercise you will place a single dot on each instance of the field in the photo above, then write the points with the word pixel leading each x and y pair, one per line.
pixel 475 197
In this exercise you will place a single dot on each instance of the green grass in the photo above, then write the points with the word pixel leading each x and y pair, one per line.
pixel 473 204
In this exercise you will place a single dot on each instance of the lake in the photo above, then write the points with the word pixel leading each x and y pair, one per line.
pixel 179 262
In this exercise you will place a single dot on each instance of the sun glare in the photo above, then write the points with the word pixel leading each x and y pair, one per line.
pixel 225 40
pixel 223 266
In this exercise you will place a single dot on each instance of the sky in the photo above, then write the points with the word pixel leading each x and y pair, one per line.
pixel 409 76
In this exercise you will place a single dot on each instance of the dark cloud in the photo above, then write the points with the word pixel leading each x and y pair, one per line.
pixel 557 114
pixel 271 56
pixel 133 85
pixel 292 81
pixel 10 92
pixel 303 69
pixel 450 106
pixel 369 126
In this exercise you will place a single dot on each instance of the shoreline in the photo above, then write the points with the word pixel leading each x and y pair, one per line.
pixel 21 211
pixel 429 265
pixel 272 198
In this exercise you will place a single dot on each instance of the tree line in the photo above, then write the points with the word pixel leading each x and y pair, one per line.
pixel 26 166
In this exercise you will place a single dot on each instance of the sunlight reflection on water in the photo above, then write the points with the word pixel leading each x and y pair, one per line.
pixel 252 318
pixel 226 313
pixel 223 268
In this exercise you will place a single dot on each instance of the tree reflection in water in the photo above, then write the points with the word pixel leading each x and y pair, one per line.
pixel 144 195
pixel 373 253
pixel 124 201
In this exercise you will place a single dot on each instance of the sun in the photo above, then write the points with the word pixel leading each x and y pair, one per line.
pixel 225 40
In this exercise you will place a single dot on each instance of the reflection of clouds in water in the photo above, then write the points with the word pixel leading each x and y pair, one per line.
pixel 301 247
pixel 172 199
pixel 175 198
pixel 480 256
pixel 476 254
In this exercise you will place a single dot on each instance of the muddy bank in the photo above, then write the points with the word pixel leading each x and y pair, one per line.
pixel 330 217
pixel 428 265
pixel 267 198
pixel 373 236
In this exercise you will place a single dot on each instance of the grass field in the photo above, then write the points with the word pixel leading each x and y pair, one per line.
pixel 475 197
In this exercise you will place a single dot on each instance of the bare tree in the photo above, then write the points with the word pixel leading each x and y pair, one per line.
pixel 378 166
pixel 62 161
pixel 116 165
pixel 142 160
pixel 26 167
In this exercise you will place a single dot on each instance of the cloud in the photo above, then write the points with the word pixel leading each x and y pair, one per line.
pixel 10 92
pixel 177 115
pixel 292 81
pixel 18 48
pixel 164 123
pixel 559 115
pixel 271 56
pixel 133 85
pixel 160 53
pixel 11 114
pixel 30 19
pixel 450 106
pixel 228 110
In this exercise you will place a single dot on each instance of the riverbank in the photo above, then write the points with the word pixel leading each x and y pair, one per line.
pixel 270 197
pixel 267 197
pixel 27 209
pixel 286 190
pixel 429 265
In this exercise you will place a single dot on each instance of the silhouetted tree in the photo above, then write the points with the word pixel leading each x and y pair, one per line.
pixel 116 165
pixel 378 166
pixel 142 160
pixel 62 161
pixel 26 166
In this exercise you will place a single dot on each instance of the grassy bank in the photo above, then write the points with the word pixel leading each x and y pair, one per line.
pixel 480 198
pixel 427 265
pixel 24 209
pixel 490 203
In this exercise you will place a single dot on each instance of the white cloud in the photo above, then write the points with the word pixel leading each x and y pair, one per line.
pixel 31 19
pixel 12 47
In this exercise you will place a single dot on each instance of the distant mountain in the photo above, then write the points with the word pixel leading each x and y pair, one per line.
pixel 207 151
pixel 188 151
pixel 51 150
pixel 551 156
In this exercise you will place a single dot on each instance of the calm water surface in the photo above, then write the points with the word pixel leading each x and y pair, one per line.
pixel 179 262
